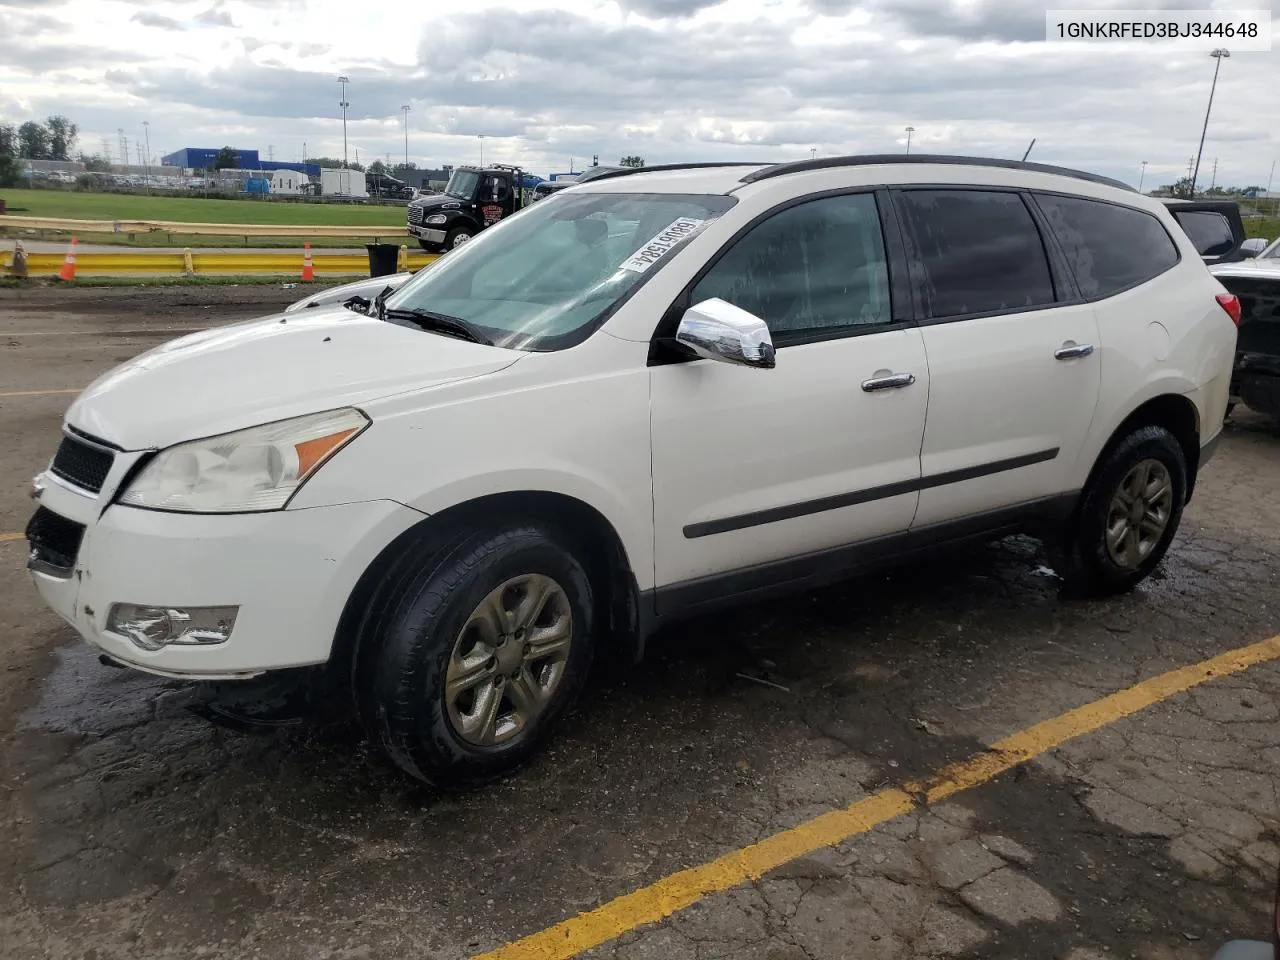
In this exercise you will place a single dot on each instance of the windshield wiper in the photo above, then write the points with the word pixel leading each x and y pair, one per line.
pixel 440 323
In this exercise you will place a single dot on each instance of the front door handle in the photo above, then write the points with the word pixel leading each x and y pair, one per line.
pixel 889 382
pixel 1071 350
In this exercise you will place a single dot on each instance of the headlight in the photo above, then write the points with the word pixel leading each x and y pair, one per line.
pixel 435 219
pixel 246 471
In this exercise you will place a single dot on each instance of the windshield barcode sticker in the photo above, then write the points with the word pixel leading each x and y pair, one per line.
pixel 661 244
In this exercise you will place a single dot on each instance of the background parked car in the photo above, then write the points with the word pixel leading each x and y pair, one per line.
pixel 1256 281
pixel 387 187
pixel 1214 226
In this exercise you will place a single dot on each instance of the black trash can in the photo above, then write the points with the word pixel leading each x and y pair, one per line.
pixel 382 258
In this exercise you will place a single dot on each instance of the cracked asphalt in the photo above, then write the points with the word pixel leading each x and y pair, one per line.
pixel 134 829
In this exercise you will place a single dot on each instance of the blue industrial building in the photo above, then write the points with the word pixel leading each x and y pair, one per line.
pixel 201 158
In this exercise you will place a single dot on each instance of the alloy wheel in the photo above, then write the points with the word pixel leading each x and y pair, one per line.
pixel 508 659
pixel 1139 513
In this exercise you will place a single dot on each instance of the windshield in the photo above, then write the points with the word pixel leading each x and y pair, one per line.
pixel 462 184
pixel 1272 251
pixel 541 279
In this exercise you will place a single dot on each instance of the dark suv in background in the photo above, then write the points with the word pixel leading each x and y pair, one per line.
pixel 1251 270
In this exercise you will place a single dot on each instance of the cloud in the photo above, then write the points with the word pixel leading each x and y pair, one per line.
pixel 668 79
pixel 37 58
pixel 215 17
pixel 149 19
pixel 676 9
pixel 23 24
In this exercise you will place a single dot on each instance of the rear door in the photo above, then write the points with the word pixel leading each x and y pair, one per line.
pixel 1214 226
pixel 1014 373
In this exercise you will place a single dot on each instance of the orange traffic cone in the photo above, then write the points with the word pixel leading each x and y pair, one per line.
pixel 308 268
pixel 68 271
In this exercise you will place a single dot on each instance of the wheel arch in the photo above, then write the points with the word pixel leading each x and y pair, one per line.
pixel 585 530
pixel 1172 411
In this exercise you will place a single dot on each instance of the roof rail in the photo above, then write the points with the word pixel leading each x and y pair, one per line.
pixel 627 171
pixel 825 163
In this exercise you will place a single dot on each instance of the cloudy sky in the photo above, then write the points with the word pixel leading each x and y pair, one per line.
pixel 667 79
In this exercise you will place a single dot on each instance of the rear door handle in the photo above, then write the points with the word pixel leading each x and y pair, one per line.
pixel 1070 350
pixel 890 382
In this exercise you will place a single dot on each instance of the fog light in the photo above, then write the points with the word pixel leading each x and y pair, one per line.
pixel 154 627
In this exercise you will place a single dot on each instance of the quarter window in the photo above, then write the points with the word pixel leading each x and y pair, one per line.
pixel 1109 247
pixel 815 268
pixel 974 252
pixel 1209 231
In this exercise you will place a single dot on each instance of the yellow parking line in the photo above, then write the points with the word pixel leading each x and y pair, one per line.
pixel 6 537
pixel 39 393
pixel 679 890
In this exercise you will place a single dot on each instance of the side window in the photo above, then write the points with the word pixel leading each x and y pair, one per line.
pixel 815 267
pixel 1109 247
pixel 974 252
pixel 1209 231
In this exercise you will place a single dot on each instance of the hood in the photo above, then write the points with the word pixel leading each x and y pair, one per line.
pixel 258 371
pixel 368 288
pixel 440 201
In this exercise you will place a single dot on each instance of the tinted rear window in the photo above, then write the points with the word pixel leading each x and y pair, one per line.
pixel 974 252
pixel 1209 231
pixel 1109 247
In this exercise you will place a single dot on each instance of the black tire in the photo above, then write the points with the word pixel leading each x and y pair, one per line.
pixel 457 237
pixel 1091 568
pixel 429 247
pixel 408 637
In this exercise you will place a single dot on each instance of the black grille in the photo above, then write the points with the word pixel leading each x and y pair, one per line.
pixel 54 540
pixel 415 214
pixel 84 465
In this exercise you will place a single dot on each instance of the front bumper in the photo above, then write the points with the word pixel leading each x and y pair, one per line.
pixel 429 234
pixel 290 572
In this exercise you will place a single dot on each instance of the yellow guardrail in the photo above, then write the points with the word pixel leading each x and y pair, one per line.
pixel 285 263
pixel 64 225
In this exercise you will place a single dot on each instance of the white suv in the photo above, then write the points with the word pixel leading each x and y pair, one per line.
pixel 638 399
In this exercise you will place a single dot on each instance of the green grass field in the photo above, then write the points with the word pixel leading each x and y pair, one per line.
pixel 1268 227
pixel 125 206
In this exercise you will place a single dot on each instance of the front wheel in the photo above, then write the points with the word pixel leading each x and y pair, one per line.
pixel 457 237
pixel 428 246
pixel 468 662
pixel 1129 513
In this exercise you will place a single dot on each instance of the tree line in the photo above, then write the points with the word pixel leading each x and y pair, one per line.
pixel 52 140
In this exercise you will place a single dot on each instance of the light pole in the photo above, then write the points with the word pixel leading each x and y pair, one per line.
pixel 813 153
pixel 1219 54
pixel 910 131
pixel 481 136
pixel 343 104
pixel 146 138
pixel 1142 176
pixel 405 109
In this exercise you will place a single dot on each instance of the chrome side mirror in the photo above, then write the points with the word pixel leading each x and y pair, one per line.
pixel 1253 246
pixel 716 330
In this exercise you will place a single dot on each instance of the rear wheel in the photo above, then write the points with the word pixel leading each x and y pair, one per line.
pixel 1129 513
pixel 468 659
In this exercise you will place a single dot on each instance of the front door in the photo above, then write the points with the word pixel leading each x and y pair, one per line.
pixel 752 468
pixel 1014 371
